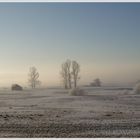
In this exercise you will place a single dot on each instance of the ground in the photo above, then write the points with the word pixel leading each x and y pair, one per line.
pixel 101 112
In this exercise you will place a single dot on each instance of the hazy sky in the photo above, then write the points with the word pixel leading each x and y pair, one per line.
pixel 103 37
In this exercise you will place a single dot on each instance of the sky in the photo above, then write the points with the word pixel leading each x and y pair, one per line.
pixel 104 38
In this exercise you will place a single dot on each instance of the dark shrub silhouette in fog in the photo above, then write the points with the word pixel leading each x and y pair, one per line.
pixel 16 87
pixel 77 92
pixel 96 83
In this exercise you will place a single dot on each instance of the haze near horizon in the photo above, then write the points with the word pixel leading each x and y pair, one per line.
pixel 104 38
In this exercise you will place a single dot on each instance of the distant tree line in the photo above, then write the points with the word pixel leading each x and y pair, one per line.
pixel 69 73
pixel 70 70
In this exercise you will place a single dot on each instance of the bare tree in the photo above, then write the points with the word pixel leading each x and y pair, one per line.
pixel 33 77
pixel 75 72
pixel 66 74
pixel 96 83
pixel 68 66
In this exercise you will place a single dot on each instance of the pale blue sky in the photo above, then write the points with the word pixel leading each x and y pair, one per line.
pixel 103 37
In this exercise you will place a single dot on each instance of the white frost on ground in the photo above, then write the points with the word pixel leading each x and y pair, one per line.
pixel 113 111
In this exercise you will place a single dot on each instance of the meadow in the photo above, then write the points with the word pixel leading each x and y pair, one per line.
pixel 53 112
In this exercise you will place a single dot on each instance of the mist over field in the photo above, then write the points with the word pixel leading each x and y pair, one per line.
pixel 103 38
pixel 69 70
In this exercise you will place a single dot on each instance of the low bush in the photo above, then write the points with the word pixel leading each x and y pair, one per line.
pixel 76 92
pixel 16 87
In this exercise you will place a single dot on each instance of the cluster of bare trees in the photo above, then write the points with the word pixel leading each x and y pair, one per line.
pixel 70 73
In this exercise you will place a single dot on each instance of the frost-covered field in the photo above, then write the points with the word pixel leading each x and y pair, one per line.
pixel 102 112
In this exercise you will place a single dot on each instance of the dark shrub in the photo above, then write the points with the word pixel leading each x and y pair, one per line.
pixel 16 87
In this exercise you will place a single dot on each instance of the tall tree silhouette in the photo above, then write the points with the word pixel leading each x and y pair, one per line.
pixel 33 77
pixel 75 72
pixel 70 73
